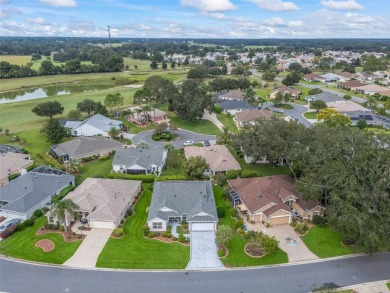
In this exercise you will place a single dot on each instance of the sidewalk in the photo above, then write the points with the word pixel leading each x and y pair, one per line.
pixel 374 287
pixel 213 118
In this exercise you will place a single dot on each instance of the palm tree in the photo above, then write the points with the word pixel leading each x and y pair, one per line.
pixel 146 109
pixel 73 166
pixel 224 135
pixel 138 111
pixel 61 207
pixel 113 132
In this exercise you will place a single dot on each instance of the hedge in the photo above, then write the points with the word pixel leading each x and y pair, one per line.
pixel 143 178
pixel 29 168
pixel 249 173
pixel 63 193
pixel 232 174
pixel 13 176
pixel 170 177
pixel 50 161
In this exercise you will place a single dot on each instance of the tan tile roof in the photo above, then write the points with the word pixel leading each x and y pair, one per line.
pixel 346 106
pixel 373 88
pixel 253 114
pixel 217 157
pixel 346 74
pixel 12 162
pixel 234 94
pixel 286 89
pixel 104 198
pixel 352 83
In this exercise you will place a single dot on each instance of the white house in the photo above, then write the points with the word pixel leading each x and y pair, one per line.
pixel 139 161
pixel 95 125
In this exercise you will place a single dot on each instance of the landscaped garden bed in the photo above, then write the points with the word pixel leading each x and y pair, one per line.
pixel 46 245
pixel 164 136
pixel 69 235
pixel 253 250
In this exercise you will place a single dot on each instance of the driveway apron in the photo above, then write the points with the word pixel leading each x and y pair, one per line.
pixel 89 250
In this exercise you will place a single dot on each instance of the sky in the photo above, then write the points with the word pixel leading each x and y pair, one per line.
pixel 251 19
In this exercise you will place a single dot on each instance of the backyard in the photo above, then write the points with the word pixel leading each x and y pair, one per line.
pixel 22 245
pixel 133 251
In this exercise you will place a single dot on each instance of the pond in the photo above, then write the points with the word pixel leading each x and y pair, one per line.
pixel 47 91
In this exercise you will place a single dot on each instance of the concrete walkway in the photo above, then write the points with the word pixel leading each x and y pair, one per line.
pixel 89 250
pixel 204 253
pixel 375 287
pixel 213 118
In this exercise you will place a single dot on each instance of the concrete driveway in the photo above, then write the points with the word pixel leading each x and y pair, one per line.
pixel 297 252
pixel 203 251
pixel 184 135
pixel 89 250
pixel 295 113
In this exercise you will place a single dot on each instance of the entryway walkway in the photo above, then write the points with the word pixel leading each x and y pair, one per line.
pixel 89 250
pixel 213 118
pixel 204 252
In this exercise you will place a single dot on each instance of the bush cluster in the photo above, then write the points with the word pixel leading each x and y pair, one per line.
pixel 52 227
pixel 143 178
pixel 145 230
pixel 221 212
pixel 249 173
pixel 38 213
pixel 118 232
pixel 319 221
pixel 170 177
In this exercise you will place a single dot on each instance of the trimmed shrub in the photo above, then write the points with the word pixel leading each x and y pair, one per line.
pixel 164 234
pixel 174 238
pixel 150 235
pixel 13 176
pixel 20 227
pixel 249 173
pixel 238 224
pixel 217 109
pixel 232 174
pixel 87 159
pixel 29 222
pixel 143 178
pixel 38 213
pixel 319 221
pixel 118 232
pixel 169 228
pixel 170 177
pixel 62 228
pixel 129 212
pixel 182 238
pixel 169 235
pixel 221 212
pixel 145 230
pixel 29 168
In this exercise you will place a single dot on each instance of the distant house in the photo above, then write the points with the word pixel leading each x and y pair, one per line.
pixel 332 77
pixel 13 163
pixel 139 161
pixel 250 116
pixel 32 191
pixel 152 116
pixel 362 76
pixel 84 147
pixel 218 157
pixel 346 106
pixel 285 90
pixel 311 77
pixel 234 106
pixel 324 96
pixel 177 201
pixel 347 75
pixel 104 202
pixel 95 125
pixel 350 85
pixel 370 117
pixel 271 199
pixel 371 89
pixel 232 95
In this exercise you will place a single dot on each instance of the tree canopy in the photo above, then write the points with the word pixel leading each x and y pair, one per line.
pixel 48 109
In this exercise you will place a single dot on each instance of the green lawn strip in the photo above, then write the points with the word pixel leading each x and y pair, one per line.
pixel 388 285
pixel 133 251
pixel 174 164
pixel 22 245
pixel 199 126
pixel 324 242
pixel 310 115
pixel 228 121
pixel 262 169
pixel 96 169
pixel 237 256
pixel 134 129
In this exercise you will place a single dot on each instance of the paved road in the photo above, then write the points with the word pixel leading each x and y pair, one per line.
pixel 183 136
pixel 20 277
pixel 295 113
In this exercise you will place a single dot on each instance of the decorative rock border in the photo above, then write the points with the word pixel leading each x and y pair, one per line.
pixel 46 245
pixel 254 256
pixel 227 252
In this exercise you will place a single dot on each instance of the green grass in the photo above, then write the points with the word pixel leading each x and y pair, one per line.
pixel 133 251
pixel 175 163
pixel 388 285
pixel 228 121
pixel 237 256
pixel 262 169
pixel 135 129
pixel 199 126
pixel 22 245
pixel 324 242
pixel 310 115
pixel 96 169
pixel 16 59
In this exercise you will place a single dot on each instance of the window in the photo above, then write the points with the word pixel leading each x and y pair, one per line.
pixel 157 225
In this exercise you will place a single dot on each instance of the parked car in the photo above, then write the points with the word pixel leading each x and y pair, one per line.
pixel 189 142
pixel 9 224
pixel 278 110
pixel 83 221
pixel 206 143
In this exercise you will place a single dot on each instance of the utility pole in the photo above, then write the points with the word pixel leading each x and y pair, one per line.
pixel 109 36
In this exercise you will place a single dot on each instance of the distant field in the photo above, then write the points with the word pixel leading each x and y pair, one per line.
pixel 16 59
pixel 37 63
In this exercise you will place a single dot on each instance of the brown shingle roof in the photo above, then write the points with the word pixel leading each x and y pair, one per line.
pixel 253 114
pixel 352 83
pixel 234 94
pixel 286 89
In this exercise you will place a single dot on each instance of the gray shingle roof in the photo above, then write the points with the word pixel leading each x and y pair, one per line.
pixel 183 197
pixel 99 121
pixel 141 157
pixel 30 189
pixel 327 97
pixel 234 104
pixel 85 145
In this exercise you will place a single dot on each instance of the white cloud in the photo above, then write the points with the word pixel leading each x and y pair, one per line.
pixel 275 5
pixel 37 20
pixel 209 5
pixel 60 3
pixel 295 23
pixel 342 5
pixel 216 15
pixel 142 26
pixel 274 21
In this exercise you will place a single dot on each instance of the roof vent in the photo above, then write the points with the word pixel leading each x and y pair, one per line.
pixel 58 181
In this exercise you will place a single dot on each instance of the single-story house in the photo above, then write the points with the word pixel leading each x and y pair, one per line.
pixel 95 125
pixel 362 76
pixel 285 90
pixel 270 199
pixel 331 77
pixel 177 201
pixel 250 116
pixel 139 161
pixel 324 96
pixel 311 77
pixel 104 202
pixel 371 89
pixel 152 116
pixel 234 106
pixel 232 95
pixel 218 158
pixel 30 192
pixel 13 163
pixel 370 117
pixel 347 75
pixel 350 85
pixel 84 147
pixel 346 106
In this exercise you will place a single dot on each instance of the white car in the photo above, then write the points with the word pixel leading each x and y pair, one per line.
pixel 189 142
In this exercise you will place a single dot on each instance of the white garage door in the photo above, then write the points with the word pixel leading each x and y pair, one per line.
pixel 203 226
pixel 102 224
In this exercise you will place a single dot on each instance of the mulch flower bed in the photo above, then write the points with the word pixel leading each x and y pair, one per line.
pixel 68 236
pixel 167 240
pixel 224 250
pixel 46 245
pixel 253 251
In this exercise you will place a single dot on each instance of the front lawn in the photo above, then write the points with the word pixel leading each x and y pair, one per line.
pixel 388 285
pixel 237 256
pixel 199 126
pixel 228 121
pixel 22 245
pixel 324 242
pixel 174 164
pixel 310 115
pixel 96 169
pixel 133 251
